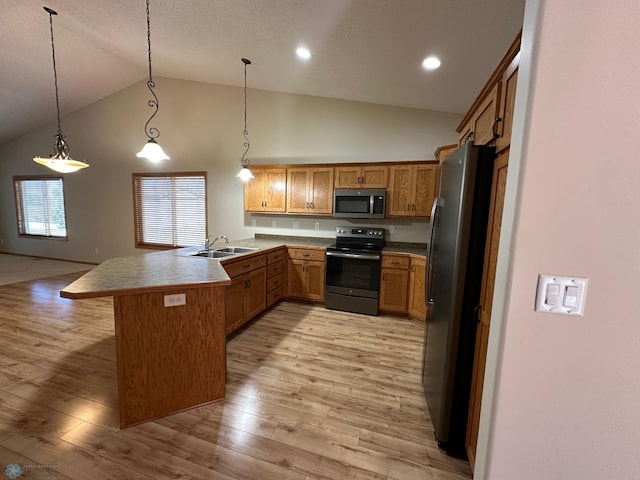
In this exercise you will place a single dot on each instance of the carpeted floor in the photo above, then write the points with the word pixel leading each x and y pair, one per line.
pixel 20 268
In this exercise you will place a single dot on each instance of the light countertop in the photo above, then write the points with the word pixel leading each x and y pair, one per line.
pixel 170 269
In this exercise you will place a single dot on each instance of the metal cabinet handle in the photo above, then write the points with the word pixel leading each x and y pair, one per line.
pixel 469 137
pixel 497 122
pixel 476 313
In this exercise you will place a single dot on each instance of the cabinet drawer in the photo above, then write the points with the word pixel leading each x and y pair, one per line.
pixel 275 282
pixel 275 269
pixel 274 296
pixel 396 261
pixel 243 266
pixel 274 257
pixel 307 254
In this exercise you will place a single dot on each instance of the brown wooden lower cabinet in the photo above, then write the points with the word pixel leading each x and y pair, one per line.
pixel 402 282
pixel 500 167
pixel 246 296
pixel 417 303
pixel 305 274
pixel 168 358
pixel 275 276
pixel 394 283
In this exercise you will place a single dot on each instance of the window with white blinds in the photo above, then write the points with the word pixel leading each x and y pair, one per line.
pixel 170 209
pixel 40 206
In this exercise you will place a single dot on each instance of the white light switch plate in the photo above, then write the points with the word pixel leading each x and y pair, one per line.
pixel 175 300
pixel 563 295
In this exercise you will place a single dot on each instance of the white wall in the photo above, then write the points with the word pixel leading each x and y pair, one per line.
pixel 566 390
pixel 201 129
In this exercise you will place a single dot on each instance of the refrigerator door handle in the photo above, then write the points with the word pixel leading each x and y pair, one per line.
pixel 476 313
pixel 432 228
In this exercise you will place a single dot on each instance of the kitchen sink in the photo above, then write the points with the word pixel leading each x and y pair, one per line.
pixel 232 250
pixel 212 254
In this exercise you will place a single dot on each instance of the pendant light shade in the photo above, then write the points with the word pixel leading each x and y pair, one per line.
pixel 245 174
pixel 59 160
pixel 151 150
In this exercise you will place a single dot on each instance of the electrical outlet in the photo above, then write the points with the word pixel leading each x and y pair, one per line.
pixel 97 251
pixel 392 228
pixel 274 224
pixel 317 225
pixel 296 224
pixel 175 300
pixel 253 222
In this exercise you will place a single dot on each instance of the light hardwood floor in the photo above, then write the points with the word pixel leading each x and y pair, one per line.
pixel 311 394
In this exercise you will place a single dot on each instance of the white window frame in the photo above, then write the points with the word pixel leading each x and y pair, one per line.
pixel 40 206
pixel 164 216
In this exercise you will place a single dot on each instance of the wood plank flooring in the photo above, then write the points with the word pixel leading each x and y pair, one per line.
pixel 311 394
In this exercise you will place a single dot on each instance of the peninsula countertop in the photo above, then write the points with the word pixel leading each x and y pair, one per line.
pixel 167 269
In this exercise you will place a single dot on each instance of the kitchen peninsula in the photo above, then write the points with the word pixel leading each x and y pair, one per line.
pixel 169 315
pixel 169 329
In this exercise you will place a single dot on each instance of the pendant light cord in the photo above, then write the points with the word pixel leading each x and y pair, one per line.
pixel 55 72
pixel 149 41
pixel 245 133
pixel 151 132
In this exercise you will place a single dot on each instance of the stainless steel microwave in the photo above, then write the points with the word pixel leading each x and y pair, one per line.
pixel 359 203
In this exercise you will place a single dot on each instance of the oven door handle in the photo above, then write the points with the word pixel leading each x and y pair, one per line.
pixel 353 255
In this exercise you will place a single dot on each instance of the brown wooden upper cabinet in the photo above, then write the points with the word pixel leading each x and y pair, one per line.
pixel 480 128
pixel 412 189
pixel 310 190
pixel 267 192
pixel 365 176
pixel 507 100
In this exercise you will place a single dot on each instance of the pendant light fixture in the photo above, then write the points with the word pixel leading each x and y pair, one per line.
pixel 245 174
pixel 59 160
pixel 151 150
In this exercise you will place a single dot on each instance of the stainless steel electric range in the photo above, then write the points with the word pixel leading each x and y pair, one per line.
pixel 353 270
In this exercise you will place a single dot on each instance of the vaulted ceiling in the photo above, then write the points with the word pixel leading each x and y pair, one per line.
pixel 363 50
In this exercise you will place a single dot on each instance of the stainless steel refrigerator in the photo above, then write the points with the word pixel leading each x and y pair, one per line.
pixel 455 256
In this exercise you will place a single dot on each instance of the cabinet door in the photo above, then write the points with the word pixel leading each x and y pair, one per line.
pixel 466 133
pixel 321 190
pixel 347 177
pixel 399 194
pixel 424 190
pixel 295 278
pixel 484 120
pixel 507 100
pixel 253 191
pixel 374 176
pixel 393 290
pixel 314 281
pixel 234 315
pixel 417 303
pixel 486 298
pixel 255 300
pixel 267 191
pixel 297 186
pixel 275 190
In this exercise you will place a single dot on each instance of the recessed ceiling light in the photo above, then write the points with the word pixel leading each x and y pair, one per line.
pixel 303 53
pixel 431 63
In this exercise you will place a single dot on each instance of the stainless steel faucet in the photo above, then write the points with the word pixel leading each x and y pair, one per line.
pixel 209 243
